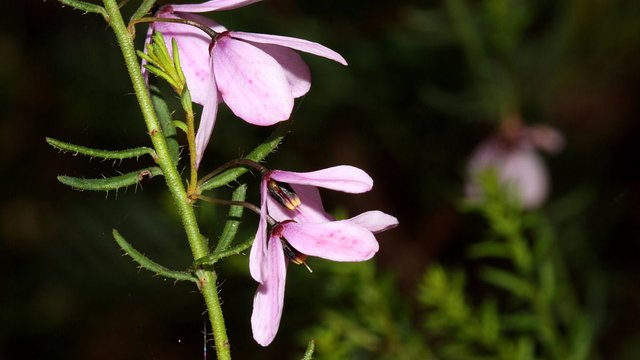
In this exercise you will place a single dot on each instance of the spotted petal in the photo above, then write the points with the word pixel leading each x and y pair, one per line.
pixel 193 45
pixel 251 82
pixel 269 298
pixel 291 42
pixel 258 248
pixel 309 210
pixel 335 240
pixel 295 69
pixel 375 221
pixel 213 5
pixel 342 178
pixel 208 118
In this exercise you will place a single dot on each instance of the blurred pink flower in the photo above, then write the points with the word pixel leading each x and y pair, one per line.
pixel 517 164
pixel 256 75
pixel 304 228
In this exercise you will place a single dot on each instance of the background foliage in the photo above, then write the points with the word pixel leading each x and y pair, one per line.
pixel 426 82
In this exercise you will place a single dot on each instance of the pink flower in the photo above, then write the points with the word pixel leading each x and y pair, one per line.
pixel 287 195
pixel 305 229
pixel 516 162
pixel 256 75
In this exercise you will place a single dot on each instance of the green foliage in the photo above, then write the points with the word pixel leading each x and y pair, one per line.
pixel 163 64
pixel 103 154
pixel 110 183
pixel 148 264
pixel 308 354
pixel 521 313
pixel 166 122
pixel 86 7
pixel 522 305
pixel 364 317
pixel 258 154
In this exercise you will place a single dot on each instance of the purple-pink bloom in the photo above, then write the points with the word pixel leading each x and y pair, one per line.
pixel 256 75
pixel 309 208
pixel 345 240
pixel 304 226
pixel 517 164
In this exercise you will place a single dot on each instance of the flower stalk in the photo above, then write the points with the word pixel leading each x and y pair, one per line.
pixel 206 278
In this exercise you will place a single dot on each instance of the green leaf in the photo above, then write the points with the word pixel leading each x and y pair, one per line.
pixel 168 127
pixel 143 9
pixel 308 354
pixel 489 248
pixel 258 154
pixel 149 264
pixel 110 183
pixel 177 64
pixel 520 322
pixel 233 219
pixel 181 125
pixel 215 256
pixel 86 7
pixel 508 281
pixel 104 154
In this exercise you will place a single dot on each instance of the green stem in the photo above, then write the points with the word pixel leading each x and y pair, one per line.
pixel 191 140
pixel 207 278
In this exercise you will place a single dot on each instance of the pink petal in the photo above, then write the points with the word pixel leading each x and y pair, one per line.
pixel 295 69
pixel 335 240
pixel 208 118
pixel 193 46
pixel 257 256
pixel 251 82
pixel 525 173
pixel 269 298
pixel 546 138
pixel 213 5
pixel 213 25
pixel 518 167
pixel 375 221
pixel 342 178
pixel 290 42
pixel 310 209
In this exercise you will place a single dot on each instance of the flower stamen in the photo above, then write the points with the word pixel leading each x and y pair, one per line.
pixel 294 255
pixel 284 194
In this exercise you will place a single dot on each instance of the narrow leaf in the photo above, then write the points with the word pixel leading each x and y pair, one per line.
pixel 168 127
pixel 143 9
pixel 180 125
pixel 149 264
pixel 176 62
pixel 214 257
pixel 233 219
pixel 308 354
pixel 508 281
pixel 489 248
pixel 104 154
pixel 86 7
pixel 258 154
pixel 162 74
pixel 110 183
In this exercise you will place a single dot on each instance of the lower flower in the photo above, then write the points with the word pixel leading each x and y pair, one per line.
pixel 345 240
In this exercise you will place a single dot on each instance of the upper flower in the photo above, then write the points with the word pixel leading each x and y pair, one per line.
pixel 513 156
pixel 256 75
pixel 305 229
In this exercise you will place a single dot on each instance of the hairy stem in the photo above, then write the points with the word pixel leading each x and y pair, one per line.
pixel 207 278
pixel 191 139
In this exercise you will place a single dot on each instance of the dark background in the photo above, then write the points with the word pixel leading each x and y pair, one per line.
pixel 406 110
